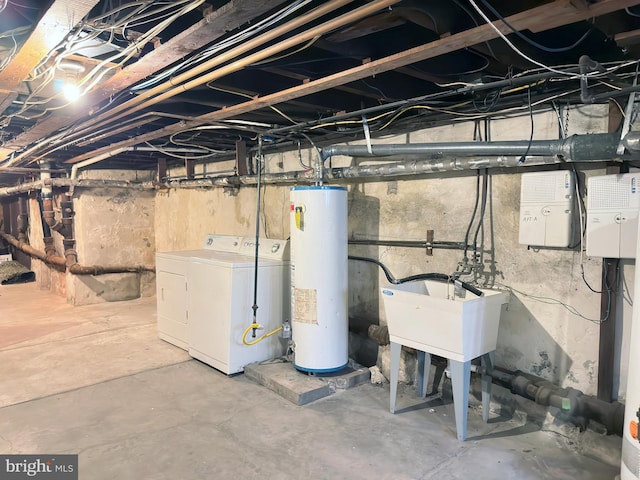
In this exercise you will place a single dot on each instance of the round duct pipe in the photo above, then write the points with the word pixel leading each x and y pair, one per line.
pixel 598 146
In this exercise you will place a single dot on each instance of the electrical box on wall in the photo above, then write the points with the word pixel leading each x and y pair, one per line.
pixel 546 208
pixel 612 215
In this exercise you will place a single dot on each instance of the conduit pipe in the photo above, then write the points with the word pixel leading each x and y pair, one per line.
pixel 197 76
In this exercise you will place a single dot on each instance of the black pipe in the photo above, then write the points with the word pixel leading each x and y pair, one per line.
pixel 575 404
pixel 421 276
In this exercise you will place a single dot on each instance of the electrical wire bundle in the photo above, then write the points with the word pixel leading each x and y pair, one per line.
pixel 114 29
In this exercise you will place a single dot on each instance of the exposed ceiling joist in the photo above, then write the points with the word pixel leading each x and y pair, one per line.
pixel 548 16
pixel 214 25
pixel 49 32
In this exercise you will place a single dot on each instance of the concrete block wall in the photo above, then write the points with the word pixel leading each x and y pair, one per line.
pixel 540 337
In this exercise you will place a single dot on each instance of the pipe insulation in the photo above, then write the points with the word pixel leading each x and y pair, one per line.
pixel 597 146
pixel 449 157
pixel 50 183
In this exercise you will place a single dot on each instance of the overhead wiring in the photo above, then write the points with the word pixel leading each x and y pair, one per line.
pixel 88 31
pixel 288 54
pixel 524 155
pixel 629 12
pixel 533 42
pixel 511 45
pixel 247 95
pixel 229 42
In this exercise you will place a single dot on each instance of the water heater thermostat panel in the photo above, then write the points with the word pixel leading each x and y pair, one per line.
pixel 546 208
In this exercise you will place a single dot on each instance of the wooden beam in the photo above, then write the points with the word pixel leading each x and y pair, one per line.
pixel 49 32
pixel 232 15
pixel 625 39
pixel 539 18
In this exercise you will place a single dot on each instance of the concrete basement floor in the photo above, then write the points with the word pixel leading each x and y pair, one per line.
pixel 96 381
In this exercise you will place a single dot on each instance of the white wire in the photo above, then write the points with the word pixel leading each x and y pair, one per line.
pixel 78 40
pixel 552 301
pixel 513 47
pixel 234 39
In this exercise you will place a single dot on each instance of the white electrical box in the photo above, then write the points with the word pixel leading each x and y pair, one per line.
pixel 612 215
pixel 546 208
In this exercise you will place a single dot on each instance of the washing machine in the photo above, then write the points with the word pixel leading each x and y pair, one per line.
pixel 220 300
pixel 172 286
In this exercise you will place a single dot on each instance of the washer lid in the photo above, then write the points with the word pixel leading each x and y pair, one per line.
pixel 233 260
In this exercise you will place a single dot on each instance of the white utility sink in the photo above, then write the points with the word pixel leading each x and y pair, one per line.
pixel 427 316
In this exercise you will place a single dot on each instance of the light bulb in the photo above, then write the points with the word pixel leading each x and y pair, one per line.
pixel 71 91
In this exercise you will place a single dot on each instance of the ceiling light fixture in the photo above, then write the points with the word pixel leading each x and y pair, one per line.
pixel 70 88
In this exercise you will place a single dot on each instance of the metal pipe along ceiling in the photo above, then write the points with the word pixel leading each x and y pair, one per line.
pixel 450 157
pixel 575 148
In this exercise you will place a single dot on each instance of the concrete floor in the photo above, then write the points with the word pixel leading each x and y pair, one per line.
pixel 96 381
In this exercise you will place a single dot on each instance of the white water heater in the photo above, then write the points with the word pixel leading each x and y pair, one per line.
pixel 319 278
pixel 630 468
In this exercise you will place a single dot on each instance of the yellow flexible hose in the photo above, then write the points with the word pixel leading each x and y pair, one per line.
pixel 259 339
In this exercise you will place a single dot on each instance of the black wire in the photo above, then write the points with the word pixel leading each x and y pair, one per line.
pixel 473 215
pixel 473 18
pixel 524 156
pixel 483 206
pixel 533 42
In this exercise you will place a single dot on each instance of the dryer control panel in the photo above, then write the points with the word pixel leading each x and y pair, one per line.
pixel 267 248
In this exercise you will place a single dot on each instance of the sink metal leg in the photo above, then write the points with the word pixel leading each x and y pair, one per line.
pixel 460 379
pixel 424 365
pixel 395 367
pixel 487 364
